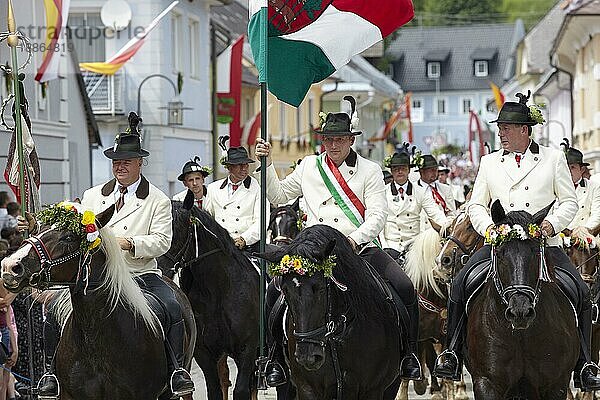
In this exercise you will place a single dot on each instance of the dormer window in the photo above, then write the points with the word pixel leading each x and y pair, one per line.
pixel 434 69
pixel 481 68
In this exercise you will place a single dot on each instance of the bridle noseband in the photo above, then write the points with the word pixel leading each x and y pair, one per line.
pixel 43 278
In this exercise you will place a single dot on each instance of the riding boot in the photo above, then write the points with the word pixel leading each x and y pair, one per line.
pixel 410 367
pixel 449 364
pixel 48 387
pixel 275 370
pixel 584 376
pixel 181 383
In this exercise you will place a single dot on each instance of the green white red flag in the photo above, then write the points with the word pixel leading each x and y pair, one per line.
pixel 308 40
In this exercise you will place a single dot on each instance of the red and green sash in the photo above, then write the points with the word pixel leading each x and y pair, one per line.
pixel 346 199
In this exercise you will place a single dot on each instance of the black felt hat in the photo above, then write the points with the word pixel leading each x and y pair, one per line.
pixel 428 161
pixel 573 155
pixel 193 166
pixel 128 144
pixel 399 158
pixel 516 113
pixel 237 155
pixel 341 124
pixel 443 168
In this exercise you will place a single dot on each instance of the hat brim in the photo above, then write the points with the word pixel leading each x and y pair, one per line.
pixel 583 164
pixel 499 121
pixel 182 176
pixel 241 161
pixel 125 155
pixel 331 134
pixel 402 165
pixel 446 170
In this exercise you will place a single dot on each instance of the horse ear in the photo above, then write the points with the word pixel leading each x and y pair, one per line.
pixel 188 202
pixel 105 216
pixel 539 216
pixel 296 205
pixel 498 213
pixel 329 248
pixel 274 254
pixel 435 226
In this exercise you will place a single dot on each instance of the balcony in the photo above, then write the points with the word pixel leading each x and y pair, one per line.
pixel 105 92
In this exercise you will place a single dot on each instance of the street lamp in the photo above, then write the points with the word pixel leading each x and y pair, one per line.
pixel 174 107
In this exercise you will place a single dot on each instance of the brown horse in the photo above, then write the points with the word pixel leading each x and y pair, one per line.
pixel 585 259
pixel 111 345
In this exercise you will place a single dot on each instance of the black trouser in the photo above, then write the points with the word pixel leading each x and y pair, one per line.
pixel 565 272
pixel 175 325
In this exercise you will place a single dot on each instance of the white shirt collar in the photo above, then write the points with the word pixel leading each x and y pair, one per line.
pixel 131 189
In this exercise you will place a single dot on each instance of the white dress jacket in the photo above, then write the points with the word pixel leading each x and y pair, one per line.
pixel 542 178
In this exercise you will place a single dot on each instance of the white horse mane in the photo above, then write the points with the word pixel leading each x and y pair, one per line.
pixel 118 280
pixel 420 261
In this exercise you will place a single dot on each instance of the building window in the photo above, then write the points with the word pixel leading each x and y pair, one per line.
pixel 176 41
pixel 467 104
pixel 434 69
pixel 87 32
pixel 194 32
pixel 417 112
pixel 481 68
pixel 441 106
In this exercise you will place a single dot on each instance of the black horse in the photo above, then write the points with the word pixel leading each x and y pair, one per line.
pixel 522 333
pixel 111 345
pixel 223 287
pixel 341 330
pixel 284 223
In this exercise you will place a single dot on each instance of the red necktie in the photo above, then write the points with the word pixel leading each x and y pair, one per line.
pixel 401 191
pixel 439 199
pixel 199 203
pixel 518 160
pixel 234 186
pixel 121 201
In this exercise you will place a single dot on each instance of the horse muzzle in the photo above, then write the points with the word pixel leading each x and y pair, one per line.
pixel 520 312
pixel 310 356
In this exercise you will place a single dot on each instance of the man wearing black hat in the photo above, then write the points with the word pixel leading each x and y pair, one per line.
pixel 193 175
pixel 439 192
pixel 405 203
pixel 234 202
pixel 314 179
pixel 587 218
pixel 142 222
pixel 523 176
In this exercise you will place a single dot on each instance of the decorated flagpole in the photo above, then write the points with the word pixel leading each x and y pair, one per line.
pixel 262 79
pixel 13 42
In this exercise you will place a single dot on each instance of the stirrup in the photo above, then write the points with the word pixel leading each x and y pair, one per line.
pixel 48 375
pixel 413 355
pixel 448 353
pixel 181 393
pixel 586 365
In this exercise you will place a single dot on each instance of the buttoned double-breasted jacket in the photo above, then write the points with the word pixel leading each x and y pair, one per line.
pixel 365 179
pixel 146 218
pixel 543 177
pixel 588 203
pixel 239 213
pixel 404 217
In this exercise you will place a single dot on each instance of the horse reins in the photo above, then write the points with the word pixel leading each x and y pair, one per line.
pixel 329 333
pixel 177 260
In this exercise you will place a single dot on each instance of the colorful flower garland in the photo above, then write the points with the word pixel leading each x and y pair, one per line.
pixel 69 216
pixel 302 266
pixel 581 244
pixel 500 234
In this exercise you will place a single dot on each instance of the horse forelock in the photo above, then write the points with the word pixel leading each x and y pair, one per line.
pixel 420 261
pixel 350 269
pixel 122 288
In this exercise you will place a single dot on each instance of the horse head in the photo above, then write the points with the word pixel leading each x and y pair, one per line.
pixel 309 293
pixel 518 263
pixel 283 223
pixel 66 239
pixel 461 240
pixel 583 254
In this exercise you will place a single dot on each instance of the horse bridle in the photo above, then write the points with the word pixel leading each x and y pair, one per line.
pixel 192 235
pixel 532 293
pixel 43 278
pixel 329 333
pixel 282 239
pixel 467 252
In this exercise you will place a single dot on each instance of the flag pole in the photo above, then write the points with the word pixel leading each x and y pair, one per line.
pixel 262 79
pixel 13 42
